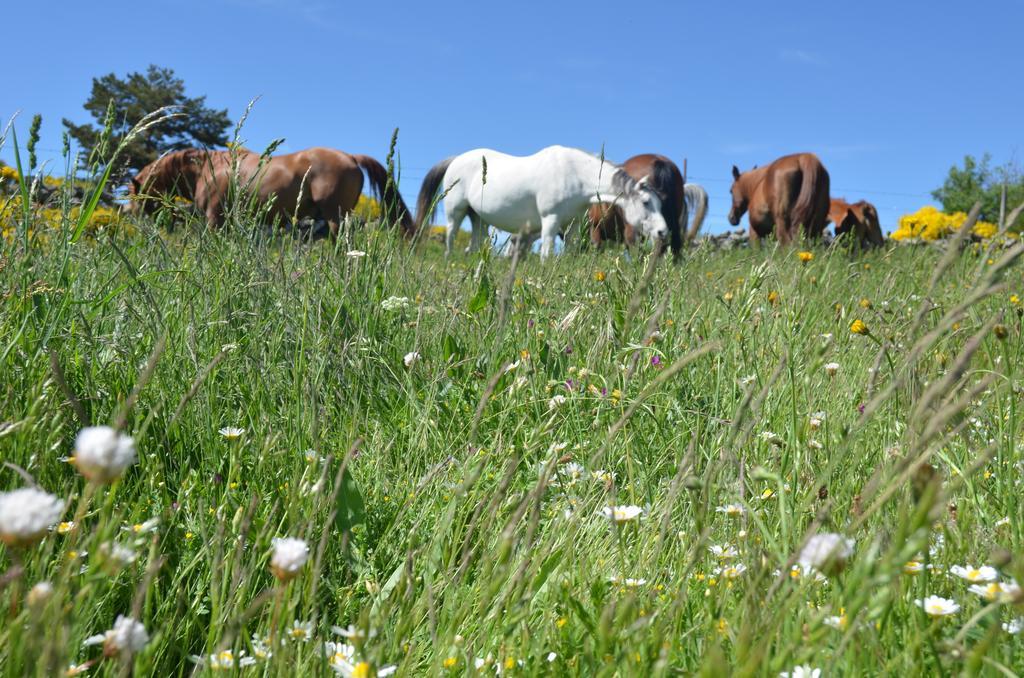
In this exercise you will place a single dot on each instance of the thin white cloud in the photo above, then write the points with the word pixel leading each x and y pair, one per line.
pixel 799 56
pixel 313 11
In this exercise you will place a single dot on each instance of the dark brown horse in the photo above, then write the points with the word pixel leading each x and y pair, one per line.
pixel 607 223
pixel 664 177
pixel 781 197
pixel 320 183
pixel 861 218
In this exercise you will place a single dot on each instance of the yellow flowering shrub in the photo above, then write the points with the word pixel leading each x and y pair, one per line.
pixel 46 220
pixel 928 223
pixel 367 208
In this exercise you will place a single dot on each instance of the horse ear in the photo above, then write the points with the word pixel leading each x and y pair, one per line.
pixel 735 172
pixel 641 182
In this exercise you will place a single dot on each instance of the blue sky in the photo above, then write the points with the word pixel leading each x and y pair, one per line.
pixel 889 95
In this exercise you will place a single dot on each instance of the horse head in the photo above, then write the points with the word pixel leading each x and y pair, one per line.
pixel 740 199
pixel 641 205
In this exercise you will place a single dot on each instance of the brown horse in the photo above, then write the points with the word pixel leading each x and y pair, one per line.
pixel 607 223
pixel 861 218
pixel 783 196
pixel 320 183
pixel 664 177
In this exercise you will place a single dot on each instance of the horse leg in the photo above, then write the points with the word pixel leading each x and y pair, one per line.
pixel 783 229
pixel 548 231
pixel 454 217
pixel 477 236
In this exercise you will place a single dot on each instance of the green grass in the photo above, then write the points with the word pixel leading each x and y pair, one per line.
pixel 444 538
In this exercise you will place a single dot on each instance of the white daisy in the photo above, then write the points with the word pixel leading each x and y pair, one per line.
pixel 232 432
pixel 984 573
pixel 732 510
pixel 411 358
pixel 936 606
pixel 622 514
pixel 301 631
pixel 723 552
pixel 730 571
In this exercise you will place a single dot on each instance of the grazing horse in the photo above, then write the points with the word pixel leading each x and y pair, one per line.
pixel 785 195
pixel 608 225
pixel 539 193
pixel 320 183
pixel 860 217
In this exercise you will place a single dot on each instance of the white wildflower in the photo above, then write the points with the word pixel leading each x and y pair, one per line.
pixel 730 571
pixel 144 527
pixel 102 453
pixel 232 432
pixel 127 636
pixel 826 552
pixel 622 514
pixel 831 369
pixel 936 606
pixel 1014 626
pixel 411 358
pixel 724 551
pixel 802 671
pixel 26 514
pixel 289 556
pixel 731 510
pixel 395 303
pixel 556 402
pixel 628 582
pixel 301 631
pixel 39 594
pixel 973 574
pixel 118 554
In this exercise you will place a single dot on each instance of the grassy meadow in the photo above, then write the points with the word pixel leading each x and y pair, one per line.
pixel 448 436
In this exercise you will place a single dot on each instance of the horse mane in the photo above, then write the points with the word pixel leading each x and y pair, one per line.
pixel 621 181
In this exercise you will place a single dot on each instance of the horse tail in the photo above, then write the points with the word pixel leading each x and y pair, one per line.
pixel 428 191
pixel 697 201
pixel 811 206
pixel 392 207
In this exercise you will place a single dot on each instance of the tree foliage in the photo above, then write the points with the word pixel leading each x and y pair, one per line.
pixel 978 181
pixel 124 102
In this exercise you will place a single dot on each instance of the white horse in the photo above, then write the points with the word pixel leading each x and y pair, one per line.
pixel 539 193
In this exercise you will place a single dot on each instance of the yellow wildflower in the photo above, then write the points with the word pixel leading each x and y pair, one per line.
pixel 805 257
pixel 858 327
